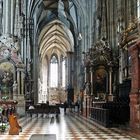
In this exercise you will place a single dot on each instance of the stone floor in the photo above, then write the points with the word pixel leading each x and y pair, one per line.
pixel 67 127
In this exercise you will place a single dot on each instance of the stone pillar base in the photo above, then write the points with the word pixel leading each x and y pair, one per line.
pixel 134 110
pixel 21 104
pixel 15 97
pixel 110 98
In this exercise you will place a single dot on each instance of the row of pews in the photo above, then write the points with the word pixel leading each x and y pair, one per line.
pixel 109 114
pixel 44 109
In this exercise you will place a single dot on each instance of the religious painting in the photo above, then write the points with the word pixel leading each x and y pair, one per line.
pixel 6 79
pixel 100 80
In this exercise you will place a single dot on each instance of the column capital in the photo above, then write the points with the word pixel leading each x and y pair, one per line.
pixel 134 47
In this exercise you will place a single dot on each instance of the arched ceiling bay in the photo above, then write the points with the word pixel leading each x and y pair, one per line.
pixel 55 38
pixel 55 25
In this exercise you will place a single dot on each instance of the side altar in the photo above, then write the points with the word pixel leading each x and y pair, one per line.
pixel 12 72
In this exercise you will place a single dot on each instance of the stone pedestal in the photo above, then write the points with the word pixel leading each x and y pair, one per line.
pixel 21 104
pixel 110 98
pixel 86 106
pixel 134 110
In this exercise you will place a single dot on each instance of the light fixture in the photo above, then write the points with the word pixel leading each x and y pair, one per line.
pixel 139 55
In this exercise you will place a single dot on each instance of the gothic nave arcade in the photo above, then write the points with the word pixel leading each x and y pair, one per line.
pixel 55 43
pixel 66 50
pixel 57 49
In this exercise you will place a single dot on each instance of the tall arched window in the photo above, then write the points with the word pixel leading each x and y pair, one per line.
pixel 63 72
pixel 54 71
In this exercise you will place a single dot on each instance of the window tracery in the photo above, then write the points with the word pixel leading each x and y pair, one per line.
pixel 53 71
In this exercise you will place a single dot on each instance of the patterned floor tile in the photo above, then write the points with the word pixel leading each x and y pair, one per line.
pixel 68 127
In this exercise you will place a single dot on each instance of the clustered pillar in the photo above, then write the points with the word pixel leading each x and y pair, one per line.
pixel 135 86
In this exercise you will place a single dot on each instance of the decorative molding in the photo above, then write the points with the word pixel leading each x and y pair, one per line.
pixel 131 35
pixel 99 54
pixel 9 50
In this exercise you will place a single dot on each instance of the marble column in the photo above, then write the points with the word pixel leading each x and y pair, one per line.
pixel 20 96
pixel 135 86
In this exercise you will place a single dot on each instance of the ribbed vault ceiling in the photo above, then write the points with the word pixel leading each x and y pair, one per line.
pixel 56 26
pixel 55 38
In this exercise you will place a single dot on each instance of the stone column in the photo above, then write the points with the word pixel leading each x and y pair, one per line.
pixel 18 81
pixel 69 68
pixel 85 74
pixel 4 15
pixel 135 86
pixel 87 79
pixel 110 96
pixel 60 74
pixel 70 89
pixel 110 81
pixel 1 12
pixel 18 92
pixel 86 100
pixel 91 79
pixel 16 24
pixel 12 16
pixel 7 19
pixel 91 96
pixel 121 67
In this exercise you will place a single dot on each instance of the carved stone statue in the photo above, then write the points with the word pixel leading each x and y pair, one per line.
pixel 88 86
pixel 15 87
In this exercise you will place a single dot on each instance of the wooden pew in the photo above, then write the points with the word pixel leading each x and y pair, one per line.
pixel 44 109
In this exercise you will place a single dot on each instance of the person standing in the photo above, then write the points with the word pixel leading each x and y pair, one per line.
pixel 65 107
pixel 15 87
